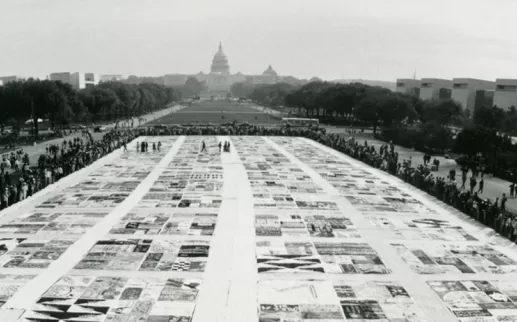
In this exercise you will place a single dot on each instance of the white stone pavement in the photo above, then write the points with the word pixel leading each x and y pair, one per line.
pixel 279 229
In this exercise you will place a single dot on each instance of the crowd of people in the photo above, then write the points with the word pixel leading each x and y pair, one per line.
pixel 59 161
pixel 492 213
pixel 19 180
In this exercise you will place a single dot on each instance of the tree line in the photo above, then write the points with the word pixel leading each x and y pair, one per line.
pixel 427 125
pixel 357 103
pixel 62 105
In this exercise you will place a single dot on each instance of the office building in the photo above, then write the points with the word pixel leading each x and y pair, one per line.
pixel 435 88
pixel 7 79
pixel 484 98
pixel 110 78
pixel 505 93
pixel 78 80
pixel 444 93
pixel 464 91
pixel 82 80
pixel 64 77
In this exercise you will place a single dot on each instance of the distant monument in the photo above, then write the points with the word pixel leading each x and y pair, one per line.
pixel 219 80
pixel 220 64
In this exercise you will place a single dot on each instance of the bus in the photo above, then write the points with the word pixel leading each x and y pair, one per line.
pixel 299 122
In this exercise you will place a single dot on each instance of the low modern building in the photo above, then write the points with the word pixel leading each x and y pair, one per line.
pixel 434 88
pixel 484 98
pixel 64 77
pixel 444 93
pixel 464 91
pixel 408 86
pixel 110 78
pixel 7 79
pixel 78 80
pixel 505 93
pixel 82 80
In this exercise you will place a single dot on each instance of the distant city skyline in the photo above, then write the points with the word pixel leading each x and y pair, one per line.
pixel 337 39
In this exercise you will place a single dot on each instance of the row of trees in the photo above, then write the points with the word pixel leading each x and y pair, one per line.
pixel 358 103
pixel 428 125
pixel 61 104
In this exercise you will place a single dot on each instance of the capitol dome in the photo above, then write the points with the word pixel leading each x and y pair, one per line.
pixel 220 63
pixel 270 72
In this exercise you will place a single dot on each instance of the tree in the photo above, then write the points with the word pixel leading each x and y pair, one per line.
pixel 271 95
pixel 510 120
pixel 490 117
pixel 194 85
pixel 60 103
pixel 368 110
pixel 445 112
pixel 241 89
pixel 100 102
pixel 394 109
pixel 473 140
pixel 436 137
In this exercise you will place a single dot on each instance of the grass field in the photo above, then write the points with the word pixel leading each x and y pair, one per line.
pixel 216 112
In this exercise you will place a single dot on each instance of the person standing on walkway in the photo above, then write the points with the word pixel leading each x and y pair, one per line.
pixel 5 198
pixel 220 146
pixel 24 189
pixel 463 179
pixel 512 190
pixel 452 174
pixel 473 183
pixel 481 185
pixel 503 202
pixel 203 146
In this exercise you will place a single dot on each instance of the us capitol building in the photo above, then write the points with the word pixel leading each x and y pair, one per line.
pixel 219 80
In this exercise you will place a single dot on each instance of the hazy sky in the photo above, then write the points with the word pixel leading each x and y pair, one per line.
pixel 369 39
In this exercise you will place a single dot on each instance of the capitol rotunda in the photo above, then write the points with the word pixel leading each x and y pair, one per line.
pixel 219 80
